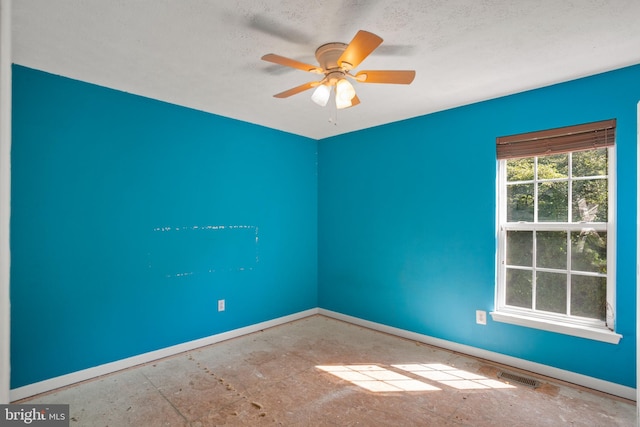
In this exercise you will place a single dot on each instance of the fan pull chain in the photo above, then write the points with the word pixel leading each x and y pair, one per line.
pixel 334 110
pixel 335 119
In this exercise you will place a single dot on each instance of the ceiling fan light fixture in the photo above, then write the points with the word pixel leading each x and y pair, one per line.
pixel 321 95
pixel 341 103
pixel 344 94
pixel 345 90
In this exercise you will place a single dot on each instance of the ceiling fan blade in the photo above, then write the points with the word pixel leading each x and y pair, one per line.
pixel 403 77
pixel 355 101
pixel 295 90
pixel 358 49
pixel 288 62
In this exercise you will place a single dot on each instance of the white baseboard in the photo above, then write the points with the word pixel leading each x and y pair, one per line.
pixel 548 371
pixel 86 374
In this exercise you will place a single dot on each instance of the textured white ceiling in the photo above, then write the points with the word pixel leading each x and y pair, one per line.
pixel 205 54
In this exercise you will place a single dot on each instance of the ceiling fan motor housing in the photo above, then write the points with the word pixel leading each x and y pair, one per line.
pixel 328 55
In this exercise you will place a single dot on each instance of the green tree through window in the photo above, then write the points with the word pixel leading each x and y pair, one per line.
pixel 555 233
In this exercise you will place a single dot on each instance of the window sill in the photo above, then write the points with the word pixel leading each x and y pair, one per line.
pixel 588 332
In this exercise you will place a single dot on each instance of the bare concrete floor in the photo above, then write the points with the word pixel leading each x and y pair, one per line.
pixel 323 372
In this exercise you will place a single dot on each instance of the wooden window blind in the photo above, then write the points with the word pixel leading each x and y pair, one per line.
pixel 559 140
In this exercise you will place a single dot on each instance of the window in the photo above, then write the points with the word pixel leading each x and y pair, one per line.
pixel 556 234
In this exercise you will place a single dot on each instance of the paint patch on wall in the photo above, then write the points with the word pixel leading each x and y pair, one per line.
pixel 182 251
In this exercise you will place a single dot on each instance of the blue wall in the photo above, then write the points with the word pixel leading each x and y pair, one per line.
pixel 132 217
pixel 407 222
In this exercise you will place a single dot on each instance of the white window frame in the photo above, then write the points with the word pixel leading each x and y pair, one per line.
pixel 570 325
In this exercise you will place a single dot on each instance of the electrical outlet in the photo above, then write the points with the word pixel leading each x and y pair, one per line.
pixel 220 305
pixel 481 317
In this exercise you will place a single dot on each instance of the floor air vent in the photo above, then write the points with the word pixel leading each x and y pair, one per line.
pixel 519 379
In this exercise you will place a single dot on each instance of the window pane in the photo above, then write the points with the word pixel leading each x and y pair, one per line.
pixel 555 166
pixel 553 202
pixel 551 292
pixel 590 198
pixel 520 248
pixel 589 162
pixel 551 249
pixel 589 251
pixel 588 296
pixel 520 202
pixel 520 169
pixel 519 292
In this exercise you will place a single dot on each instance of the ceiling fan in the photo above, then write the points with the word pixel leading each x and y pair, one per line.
pixel 336 62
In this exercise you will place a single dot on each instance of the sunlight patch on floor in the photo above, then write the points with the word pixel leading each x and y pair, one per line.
pixel 379 379
pixel 452 376
pixel 376 378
